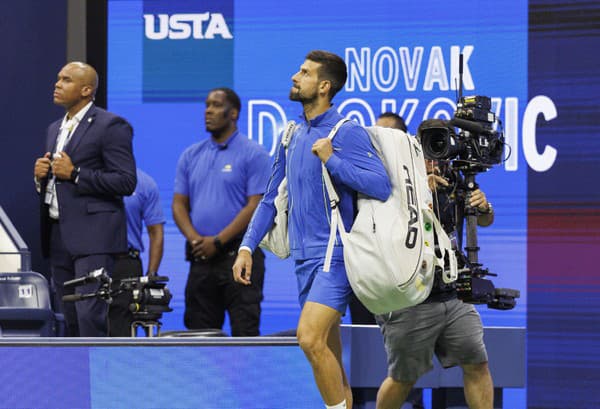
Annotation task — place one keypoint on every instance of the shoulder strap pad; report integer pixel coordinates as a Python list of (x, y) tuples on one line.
[(333, 196), (288, 133), (336, 218), (337, 127)]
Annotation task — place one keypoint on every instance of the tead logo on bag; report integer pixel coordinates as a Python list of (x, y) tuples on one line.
[(188, 48), (201, 26)]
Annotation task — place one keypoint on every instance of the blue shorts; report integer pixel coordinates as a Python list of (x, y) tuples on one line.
[(331, 289)]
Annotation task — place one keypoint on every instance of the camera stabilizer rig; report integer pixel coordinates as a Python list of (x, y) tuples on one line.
[(471, 285), (476, 148), (150, 297)]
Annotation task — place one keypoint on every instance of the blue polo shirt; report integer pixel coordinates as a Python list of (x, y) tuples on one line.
[(142, 205), (218, 178)]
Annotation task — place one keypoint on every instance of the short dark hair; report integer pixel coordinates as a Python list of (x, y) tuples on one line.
[(398, 120), (231, 97), (333, 69)]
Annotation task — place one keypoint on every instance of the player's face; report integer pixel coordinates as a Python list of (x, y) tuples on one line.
[(305, 82)]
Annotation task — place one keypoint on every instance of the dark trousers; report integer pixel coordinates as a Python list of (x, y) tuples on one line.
[(120, 317), (211, 290), (88, 317)]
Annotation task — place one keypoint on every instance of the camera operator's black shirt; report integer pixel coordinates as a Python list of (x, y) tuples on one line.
[(449, 207)]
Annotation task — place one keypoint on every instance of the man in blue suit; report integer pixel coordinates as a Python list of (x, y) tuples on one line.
[(87, 169)]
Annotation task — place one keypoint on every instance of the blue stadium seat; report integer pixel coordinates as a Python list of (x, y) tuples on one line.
[(25, 308)]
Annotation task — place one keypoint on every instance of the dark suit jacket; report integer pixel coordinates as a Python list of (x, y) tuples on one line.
[(92, 214)]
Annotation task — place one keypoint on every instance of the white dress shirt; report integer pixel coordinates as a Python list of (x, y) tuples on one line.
[(67, 128)]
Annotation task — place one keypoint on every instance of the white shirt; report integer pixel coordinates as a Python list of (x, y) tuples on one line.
[(67, 129)]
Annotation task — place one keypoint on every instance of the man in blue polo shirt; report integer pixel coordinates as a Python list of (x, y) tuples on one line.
[(218, 184), (143, 206)]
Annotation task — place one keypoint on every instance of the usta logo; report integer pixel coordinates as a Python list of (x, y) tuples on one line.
[(184, 26)]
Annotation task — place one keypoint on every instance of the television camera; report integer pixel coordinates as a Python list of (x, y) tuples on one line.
[(476, 147), (150, 296)]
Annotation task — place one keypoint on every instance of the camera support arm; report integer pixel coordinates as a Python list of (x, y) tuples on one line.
[(471, 215)]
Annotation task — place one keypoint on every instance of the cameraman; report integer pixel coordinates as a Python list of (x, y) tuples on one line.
[(442, 324)]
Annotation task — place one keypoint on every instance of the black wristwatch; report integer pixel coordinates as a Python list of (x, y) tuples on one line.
[(218, 244), (75, 174)]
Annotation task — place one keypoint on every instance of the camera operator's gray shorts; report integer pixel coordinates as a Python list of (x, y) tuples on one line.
[(451, 329)]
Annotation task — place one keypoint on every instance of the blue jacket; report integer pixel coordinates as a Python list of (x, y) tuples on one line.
[(354, 167)]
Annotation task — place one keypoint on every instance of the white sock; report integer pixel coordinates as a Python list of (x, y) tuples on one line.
[(341, 405)]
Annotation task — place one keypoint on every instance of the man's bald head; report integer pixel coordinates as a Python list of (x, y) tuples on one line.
[(88, 74), (76, 86)]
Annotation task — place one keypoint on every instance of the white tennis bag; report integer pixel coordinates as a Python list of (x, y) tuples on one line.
[(393, 248), (276, 240)]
